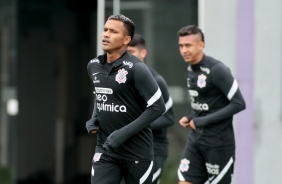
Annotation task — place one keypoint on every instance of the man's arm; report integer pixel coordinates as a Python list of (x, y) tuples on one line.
[(224, 81), (149, 90), (167, 119), (92, 125)]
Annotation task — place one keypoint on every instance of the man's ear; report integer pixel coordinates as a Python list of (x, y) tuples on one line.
[(143, 53), (127, 39), (202, 45)]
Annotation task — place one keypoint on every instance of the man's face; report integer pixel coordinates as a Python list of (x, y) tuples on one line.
[(138, 52), (114, 36), (191, 48)]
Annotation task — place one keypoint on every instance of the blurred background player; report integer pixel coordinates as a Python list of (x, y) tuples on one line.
[(137, 48), (215, 97)]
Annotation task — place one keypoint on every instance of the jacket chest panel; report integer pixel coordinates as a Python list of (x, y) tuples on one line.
[(117, 80)]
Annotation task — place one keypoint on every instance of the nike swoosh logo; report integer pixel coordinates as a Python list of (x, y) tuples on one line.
[(95, 73), (211, 178)]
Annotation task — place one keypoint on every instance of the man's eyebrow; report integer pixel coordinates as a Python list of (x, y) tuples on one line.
[(184, 44), (112, 29)]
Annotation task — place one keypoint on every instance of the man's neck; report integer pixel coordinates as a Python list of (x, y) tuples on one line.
[(199, 58), (111, 57)]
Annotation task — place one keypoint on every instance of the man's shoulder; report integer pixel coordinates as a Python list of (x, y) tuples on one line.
[(95, 60), (130, 60), (91, 64), (214, 63), (211, 60), (159, 78), (154, 72)]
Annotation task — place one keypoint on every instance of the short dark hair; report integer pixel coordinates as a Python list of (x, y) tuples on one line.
[(128, 23), (191, 30), (137, 41)]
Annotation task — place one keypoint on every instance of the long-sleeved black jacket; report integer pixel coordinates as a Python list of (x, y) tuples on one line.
[(215, 97), (128, 100)]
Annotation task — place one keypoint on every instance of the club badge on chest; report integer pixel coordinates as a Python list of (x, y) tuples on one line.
[(121, 76), (201, 81)]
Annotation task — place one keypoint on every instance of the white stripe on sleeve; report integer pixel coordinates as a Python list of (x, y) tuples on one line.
[(168, 104), (154, 98), (92, 171), (233, 90)]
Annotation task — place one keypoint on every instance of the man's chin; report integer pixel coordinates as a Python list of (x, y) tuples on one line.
[(107, 50)]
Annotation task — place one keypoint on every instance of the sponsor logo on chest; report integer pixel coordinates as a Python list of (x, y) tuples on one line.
[(196, 105), (103, 104)]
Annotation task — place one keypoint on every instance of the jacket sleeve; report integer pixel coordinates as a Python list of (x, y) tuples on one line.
[(224, 81), (167, 119), (151, 93), (92, 123)]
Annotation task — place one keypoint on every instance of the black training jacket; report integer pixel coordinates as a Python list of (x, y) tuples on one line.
[(127, 101), (215, 97)]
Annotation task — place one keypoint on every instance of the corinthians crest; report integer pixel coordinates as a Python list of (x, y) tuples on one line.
[(121, 76), (184, 165), (201, 81)]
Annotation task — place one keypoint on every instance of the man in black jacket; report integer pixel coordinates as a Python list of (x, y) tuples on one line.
[(215, 97), (127, 101)]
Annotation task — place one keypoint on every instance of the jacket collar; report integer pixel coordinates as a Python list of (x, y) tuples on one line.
[(119, 61)]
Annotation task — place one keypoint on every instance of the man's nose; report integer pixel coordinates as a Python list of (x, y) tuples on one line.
[(184, 49), (105, 34)]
